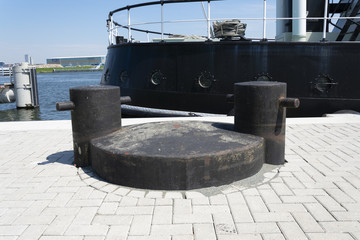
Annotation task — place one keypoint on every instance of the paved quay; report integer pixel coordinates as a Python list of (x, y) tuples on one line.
[(315, 195)]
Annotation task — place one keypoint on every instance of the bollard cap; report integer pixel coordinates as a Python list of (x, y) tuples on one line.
[(94, 88)]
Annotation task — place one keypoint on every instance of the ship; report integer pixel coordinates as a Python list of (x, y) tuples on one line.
[(315, 51)]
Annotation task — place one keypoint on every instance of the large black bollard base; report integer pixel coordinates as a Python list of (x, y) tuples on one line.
[(96, 112), (260, 109)]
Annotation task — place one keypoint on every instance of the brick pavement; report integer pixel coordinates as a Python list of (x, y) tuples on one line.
[(315, 195)]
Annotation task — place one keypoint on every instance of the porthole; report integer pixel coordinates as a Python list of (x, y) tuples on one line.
[(124, 76), (157, 77), (206, 79), (323, 83)]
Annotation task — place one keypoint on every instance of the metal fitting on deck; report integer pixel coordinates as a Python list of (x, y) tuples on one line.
[(260, 109), (95, 112)]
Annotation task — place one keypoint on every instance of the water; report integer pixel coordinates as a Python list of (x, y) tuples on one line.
[(53, 87)]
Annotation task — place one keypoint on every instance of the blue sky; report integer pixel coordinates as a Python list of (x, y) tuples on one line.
[(59, 28)]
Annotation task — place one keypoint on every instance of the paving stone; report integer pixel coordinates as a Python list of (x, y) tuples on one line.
[(136, 194), (192, 195), (224, 223), (202, 217), (32, 232), (164, 202), (307, 222), (183, 237), (291, 230), (172, 194), (139, 210), (269, 196), (149, 238), (298, 199), (288, 207), (59, 225), (162, 215), (170, 230), (273, 217), (293, 183), (61, 238), (112, 220), (236, 198), (92, 230), (340, 227), (154, 194), (61, 211), (128, 201), (96, 194), (109, 188), (330, 236), (281, 189), (204, 231), (319, 212), (256, 204), (200, 201), (36, 220), (256, 228), (85, 216), (182, 206), (110, 197), (121, 191), (329, 203), (146, 202), (141, 225), (339, 196), (219, 199), (85, 203), (347, 216), (61, 199), (108, 208), (211, 209), (241, 214), (118, 232), (240, 237), (273, 236), (12, 230)]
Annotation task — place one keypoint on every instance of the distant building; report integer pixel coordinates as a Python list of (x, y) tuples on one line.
[(76, 61), (2, 64)]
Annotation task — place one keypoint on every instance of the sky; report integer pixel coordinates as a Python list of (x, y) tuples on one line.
[(63, 28)]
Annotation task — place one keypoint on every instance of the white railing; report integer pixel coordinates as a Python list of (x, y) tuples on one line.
[(113, 28)]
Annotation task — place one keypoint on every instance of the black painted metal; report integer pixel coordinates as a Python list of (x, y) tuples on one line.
[(65, 106), (34, 88), (300, 65), (96, 112), (260, 109), (177, 155), (314, 9)]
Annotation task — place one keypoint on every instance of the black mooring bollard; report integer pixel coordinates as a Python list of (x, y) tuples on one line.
[(260, 109), (95, 112)]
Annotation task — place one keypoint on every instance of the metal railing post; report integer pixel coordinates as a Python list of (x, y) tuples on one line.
[(110, 28), (264, 21), (162, 21), (325, 19), (129, 26), (208, 21)]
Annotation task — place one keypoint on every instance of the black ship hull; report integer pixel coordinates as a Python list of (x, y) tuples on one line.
[(198, 76)]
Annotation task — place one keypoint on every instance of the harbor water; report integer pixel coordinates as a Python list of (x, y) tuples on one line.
[(53, 87)]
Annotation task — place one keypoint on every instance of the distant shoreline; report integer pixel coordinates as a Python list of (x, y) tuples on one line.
[(69, 69)]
